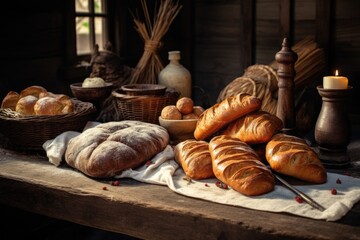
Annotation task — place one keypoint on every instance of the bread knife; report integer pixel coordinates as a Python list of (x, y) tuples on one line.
[(306, 198)]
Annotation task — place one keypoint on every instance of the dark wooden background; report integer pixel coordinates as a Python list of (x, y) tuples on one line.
[(218, 39)]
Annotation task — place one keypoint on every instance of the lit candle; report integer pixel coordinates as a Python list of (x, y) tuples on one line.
[(335, 82)]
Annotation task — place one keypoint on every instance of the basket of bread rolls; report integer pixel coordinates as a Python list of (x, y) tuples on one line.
[(34, 115)]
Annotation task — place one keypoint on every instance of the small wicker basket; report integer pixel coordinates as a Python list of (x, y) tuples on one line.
[(30, 132), (145, 108)]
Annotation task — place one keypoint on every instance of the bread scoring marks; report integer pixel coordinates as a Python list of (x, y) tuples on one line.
[(109, 148)]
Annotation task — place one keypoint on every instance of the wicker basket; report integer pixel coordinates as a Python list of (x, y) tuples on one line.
[(145, 108), (30, 132)]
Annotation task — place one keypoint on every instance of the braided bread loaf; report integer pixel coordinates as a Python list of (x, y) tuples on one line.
[(109, 148)]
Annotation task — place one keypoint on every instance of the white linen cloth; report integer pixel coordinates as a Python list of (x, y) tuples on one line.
[(163, 170)]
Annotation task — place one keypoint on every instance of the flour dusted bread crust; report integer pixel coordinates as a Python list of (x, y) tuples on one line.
[(219, 115), (194, 158), (237, 164), (109, 148), (292, 156), (254, 128)]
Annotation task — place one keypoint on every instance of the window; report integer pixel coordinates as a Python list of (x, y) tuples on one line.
[(91, 21)]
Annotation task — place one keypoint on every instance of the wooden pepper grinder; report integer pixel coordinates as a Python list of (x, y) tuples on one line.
[(286, 59)]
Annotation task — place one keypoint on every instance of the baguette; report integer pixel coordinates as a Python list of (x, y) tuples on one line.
[(219, 115), (254, 128), (237, 164), (194, 158), (292, 156)]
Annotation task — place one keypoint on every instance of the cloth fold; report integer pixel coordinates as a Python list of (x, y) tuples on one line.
[(163, 170)]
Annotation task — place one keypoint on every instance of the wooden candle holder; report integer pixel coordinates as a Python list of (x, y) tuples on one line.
[(333, 128)]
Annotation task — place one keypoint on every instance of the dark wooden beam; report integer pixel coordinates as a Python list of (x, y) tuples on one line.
[(323, 27), (248, 28), (286, 20)]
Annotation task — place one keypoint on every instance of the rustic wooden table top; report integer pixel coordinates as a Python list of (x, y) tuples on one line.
[(30, 182)]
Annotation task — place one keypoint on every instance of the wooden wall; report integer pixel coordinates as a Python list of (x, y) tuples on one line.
[(218, 40), (222, 30), (32, 45)]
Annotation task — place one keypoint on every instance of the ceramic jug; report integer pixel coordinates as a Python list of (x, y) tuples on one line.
[(176, 76)]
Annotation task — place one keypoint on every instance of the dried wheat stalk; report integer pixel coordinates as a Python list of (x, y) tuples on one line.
[(150, 64)]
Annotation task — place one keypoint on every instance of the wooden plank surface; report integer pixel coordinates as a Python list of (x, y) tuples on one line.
[(147, 211)]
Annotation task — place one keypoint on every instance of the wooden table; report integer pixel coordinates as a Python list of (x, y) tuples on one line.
[(29, 182)]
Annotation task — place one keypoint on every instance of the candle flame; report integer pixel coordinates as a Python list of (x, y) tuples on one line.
[(336, 72)]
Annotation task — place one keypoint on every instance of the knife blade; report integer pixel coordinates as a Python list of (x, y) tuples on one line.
[(305, 197)]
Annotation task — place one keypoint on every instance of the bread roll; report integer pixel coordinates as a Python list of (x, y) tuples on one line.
[(32, 90), (68, 105), (190, 116), (93, 82), (171, 112), (198, 110), (48, 106), (219, 115), (254, 128), (194, 158), (236, 164), (185, 105), (10, 100), (47, 94), (292, 156), (25, 105), (109, 148)]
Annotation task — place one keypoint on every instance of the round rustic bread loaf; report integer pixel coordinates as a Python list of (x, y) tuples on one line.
[(171, 112), (25, 105), (109, 148), (185, 105), (32, 90), (10, 100), (48, 106)]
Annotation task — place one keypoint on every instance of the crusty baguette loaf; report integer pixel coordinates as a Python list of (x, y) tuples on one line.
[(237, 164), (194, 158), (219, 115), (292, 156), (109, 148), (255, 127)]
